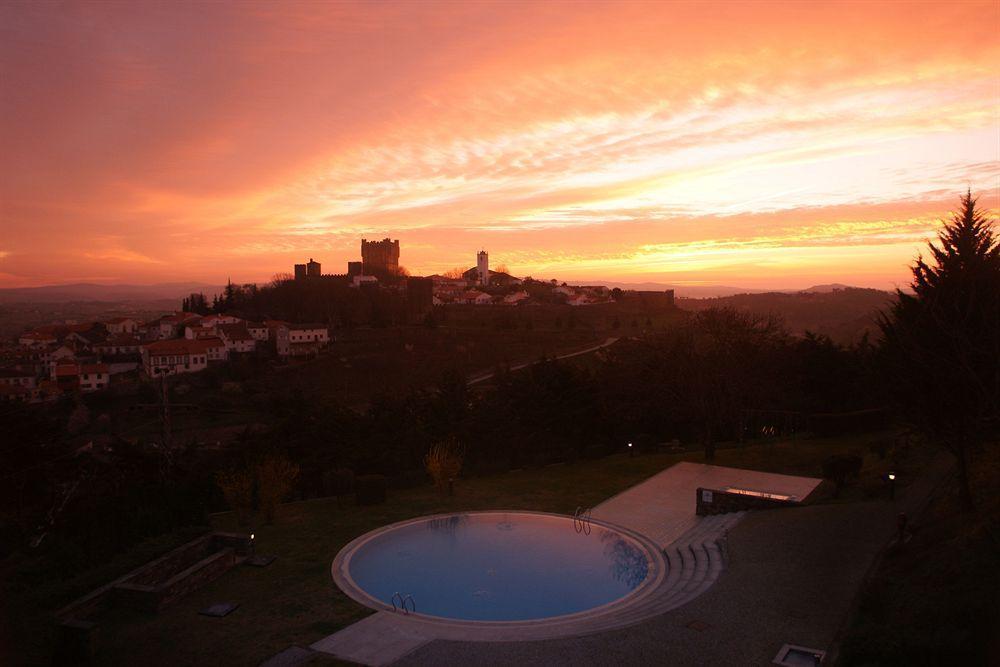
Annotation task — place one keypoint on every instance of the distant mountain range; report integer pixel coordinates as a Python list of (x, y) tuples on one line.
[(709, 291), (96, 292)]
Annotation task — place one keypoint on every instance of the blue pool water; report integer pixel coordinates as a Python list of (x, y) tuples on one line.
[(499, 566)]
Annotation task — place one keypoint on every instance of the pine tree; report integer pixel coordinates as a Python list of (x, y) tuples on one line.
[(942, 343)]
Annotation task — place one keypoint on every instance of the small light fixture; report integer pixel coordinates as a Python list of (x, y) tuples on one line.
[(892, 477)]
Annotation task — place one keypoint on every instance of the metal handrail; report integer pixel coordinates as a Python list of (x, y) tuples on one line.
[(581, 520), (402, 603)]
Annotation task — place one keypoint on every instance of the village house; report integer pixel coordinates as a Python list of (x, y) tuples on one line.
[(257, 330), (215, 348), (13, 377), (15, 393), (476, 297), (213, 321), (94, 377), (199, 332), (515, 298), (66, 375), (237, 338), (171, 357), (122, 325), (300, 340), (169, 326), (37, 339), (118, 344)]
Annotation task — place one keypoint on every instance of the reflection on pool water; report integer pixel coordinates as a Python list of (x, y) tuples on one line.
[(499, 566)]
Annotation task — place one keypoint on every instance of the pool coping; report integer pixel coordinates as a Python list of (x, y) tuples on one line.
[(439, 627)]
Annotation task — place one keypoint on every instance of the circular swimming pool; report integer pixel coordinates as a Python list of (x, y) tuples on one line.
[(495, 566)]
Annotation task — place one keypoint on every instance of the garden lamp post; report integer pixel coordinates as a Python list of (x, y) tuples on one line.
[(892, 485), (630, 450)]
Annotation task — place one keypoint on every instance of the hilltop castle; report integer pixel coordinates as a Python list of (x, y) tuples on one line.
[(380, 257)]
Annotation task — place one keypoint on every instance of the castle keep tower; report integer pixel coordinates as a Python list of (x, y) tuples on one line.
[(380, 256), (483, 267)]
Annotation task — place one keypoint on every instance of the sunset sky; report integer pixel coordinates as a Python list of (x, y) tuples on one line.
[(752, 144)]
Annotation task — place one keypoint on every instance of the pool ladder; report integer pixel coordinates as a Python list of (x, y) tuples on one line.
[(581, 520), (406, 603)]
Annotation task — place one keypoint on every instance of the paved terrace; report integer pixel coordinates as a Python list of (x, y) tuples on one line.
[(662, 508)]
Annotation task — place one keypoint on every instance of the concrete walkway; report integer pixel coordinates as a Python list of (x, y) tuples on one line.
[(379, 639)]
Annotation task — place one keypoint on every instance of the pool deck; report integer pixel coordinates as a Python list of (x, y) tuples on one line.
[(662, 509), (793, 577)]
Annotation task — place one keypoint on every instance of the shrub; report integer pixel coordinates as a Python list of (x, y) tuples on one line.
[(444, 462), (338, 482), (839, 467), (237, 488), (369, 489), (275, 477)]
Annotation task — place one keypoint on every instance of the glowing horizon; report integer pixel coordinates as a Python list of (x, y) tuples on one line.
[(760, 145)]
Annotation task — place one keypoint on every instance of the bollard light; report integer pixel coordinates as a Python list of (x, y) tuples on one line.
[(892, 477), (630, 449)]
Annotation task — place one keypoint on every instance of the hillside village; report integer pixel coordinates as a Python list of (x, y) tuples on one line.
[(49, 361), (52, 360)]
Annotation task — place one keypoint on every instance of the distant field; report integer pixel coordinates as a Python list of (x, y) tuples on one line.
[(294, 601)]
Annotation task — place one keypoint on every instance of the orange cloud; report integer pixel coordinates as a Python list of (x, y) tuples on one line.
[(773, 143)]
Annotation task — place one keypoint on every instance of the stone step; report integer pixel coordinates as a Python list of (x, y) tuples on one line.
[(375, 640)]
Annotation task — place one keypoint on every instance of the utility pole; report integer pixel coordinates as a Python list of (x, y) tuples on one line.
[(165, 433)]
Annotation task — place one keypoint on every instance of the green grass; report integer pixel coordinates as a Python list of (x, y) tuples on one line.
[(932, 601), (294, 601)]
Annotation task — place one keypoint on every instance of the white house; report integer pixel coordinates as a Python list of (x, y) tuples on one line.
[(119, 344), (237, 338), (298, 340), (170, 357), (515, 298), (122, 325), (36, 339), (216, 349), (477, 297), (257, 330), (13, 377), (213, 321), (94, 377)]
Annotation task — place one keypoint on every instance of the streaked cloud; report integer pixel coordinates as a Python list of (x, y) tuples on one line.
[(773, 144)]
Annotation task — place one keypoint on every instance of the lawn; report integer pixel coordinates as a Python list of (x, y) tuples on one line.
[(294, 601)]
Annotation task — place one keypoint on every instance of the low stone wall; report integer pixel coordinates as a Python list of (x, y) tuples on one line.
[(715, 501), (161, 581)]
